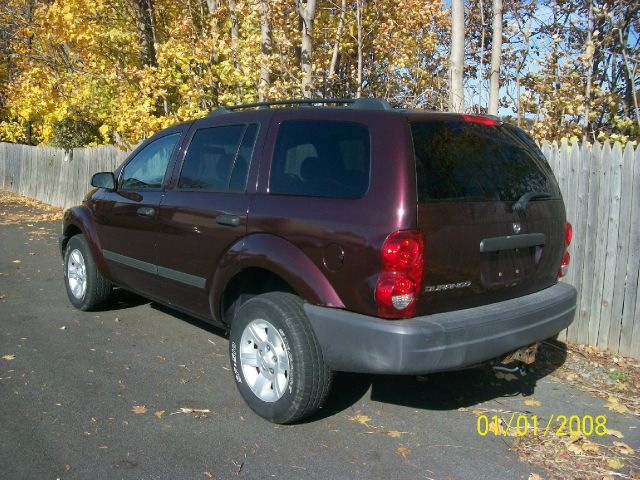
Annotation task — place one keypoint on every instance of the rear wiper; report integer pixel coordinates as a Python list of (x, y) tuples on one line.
[(521, 204)]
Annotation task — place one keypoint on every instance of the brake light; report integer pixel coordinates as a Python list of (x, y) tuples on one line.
[(479, 119), (566, 258), (400, 281), (568, 234)]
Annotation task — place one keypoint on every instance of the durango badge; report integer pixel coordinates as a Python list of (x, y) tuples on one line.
[(447, 286)]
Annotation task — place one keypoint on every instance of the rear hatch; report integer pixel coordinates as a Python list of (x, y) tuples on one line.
[(481, 245)]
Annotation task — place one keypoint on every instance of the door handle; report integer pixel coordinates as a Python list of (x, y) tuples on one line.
[(229, 220), (146, 211)]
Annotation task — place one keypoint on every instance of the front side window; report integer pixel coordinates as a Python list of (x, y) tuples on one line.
[(321, 159), (147, 169), (218, 158)]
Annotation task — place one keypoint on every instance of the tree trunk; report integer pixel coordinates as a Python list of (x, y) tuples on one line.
[(145, 24), (336, 45), (480, 75), (307, 9), (630, 77), (359, 7), (265, 51), (235, 29), (496, 52), (456, 61), (587, 93), (213, 6)]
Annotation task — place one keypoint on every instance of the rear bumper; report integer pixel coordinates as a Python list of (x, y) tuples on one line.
[(446, 341)]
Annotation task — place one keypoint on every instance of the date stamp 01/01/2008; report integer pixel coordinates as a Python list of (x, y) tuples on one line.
[(558, 425)]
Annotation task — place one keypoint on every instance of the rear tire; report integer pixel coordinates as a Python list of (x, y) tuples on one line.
[(276, 360), (86, 287)]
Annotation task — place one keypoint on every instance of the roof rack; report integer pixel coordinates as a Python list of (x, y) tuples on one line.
[(356, 103)]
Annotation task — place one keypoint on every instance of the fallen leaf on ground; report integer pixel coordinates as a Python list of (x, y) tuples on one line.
[(17, 261), (9, 357), (574, 446), (394, 434), (614, 433), (63, 327), (159, 413), (623, 448), (208, 474), (496, 427), (614, 405), (362, 419), (509, 377), (535, 476), (139, 409), (404, 452), (193, 410), (615, 463), (532, 402), (590, 447), (477, 412)]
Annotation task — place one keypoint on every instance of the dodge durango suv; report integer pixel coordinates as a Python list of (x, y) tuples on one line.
[(350, 236)]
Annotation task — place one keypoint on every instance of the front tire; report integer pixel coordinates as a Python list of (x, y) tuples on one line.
[(276, 360), (86, 287)]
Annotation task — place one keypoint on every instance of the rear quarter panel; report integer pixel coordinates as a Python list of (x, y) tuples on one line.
[(325, 229)]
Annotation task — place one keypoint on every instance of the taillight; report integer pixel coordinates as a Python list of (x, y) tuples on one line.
[(400, 281), (479, 119), (566, 258), (568, 234)]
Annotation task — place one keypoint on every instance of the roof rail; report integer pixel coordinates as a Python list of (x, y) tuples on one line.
[(357, 103), (371, 103)]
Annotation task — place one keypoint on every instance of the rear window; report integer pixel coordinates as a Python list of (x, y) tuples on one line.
[(321, 159), (464, 161)]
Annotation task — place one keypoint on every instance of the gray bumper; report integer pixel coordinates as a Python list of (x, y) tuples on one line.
[(357, 343)]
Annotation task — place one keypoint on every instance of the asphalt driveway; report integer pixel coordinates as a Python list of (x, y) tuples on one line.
[(124, 393)]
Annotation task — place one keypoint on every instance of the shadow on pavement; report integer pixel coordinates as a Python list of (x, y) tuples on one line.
[(438, 391), (122, 299), (441, 391)]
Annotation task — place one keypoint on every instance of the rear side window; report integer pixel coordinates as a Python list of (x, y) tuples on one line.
[(321, 159), (217, 159), (464, 161)]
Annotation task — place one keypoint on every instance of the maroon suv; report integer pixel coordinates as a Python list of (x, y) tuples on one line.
[(354, 238)]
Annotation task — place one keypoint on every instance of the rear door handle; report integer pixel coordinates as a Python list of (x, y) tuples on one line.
[(230, 220), (146, 211)]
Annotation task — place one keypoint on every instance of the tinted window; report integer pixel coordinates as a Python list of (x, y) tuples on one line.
[(321, 159), (147, 169), (241, 167), (210, 159), (457, 160)]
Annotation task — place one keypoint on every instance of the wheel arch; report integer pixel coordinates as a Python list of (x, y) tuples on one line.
[(261, 263), (78, 220)]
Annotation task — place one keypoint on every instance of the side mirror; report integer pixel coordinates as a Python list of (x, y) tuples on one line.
[(104, 180)]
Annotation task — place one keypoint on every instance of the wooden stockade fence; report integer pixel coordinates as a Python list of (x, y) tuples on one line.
[(601, 188), (51, 175), (600, 184)]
